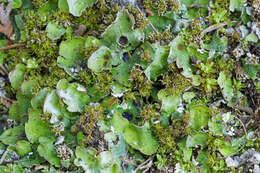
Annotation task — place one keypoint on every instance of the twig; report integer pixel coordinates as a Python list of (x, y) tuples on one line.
[(12, 46), (212, 28), (154, 29), (245, 109), (148, 166), (3, 157), (244, 128), (141, 165)]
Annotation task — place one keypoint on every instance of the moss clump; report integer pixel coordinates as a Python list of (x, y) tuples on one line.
[(163, 38), (103, 81), (174, 81), (140, 20), (141, 82), (150, 112), (162, 6), (220, 11), (86, 123), (166, 137)]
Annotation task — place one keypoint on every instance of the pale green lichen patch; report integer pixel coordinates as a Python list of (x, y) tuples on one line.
[(70, 55), (74, 95)]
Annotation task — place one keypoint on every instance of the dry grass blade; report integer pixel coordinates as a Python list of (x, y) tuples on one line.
[(6, 25), (3, 71), (12, 46), (212, 28)]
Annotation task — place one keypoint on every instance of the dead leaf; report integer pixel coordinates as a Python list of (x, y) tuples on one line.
[(240, 73), (81, 30), (6, 102), (6, 25), (149, 12)]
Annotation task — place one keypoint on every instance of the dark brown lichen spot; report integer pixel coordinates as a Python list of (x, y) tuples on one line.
[(106, 57), (128, 116), (123, 40), (126, 57), (179, 47), (60, 118)]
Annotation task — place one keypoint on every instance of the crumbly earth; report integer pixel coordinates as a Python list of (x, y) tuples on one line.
[(128, 86)]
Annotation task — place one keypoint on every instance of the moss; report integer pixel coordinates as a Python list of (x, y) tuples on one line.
[(163, 38), (86, 78), (162, 6), (165, 136), (140, 20), (220, 11), (38, 3), (103, 81), (150, 112), (145, 56), (141, 82), (87, 122), (175, 82)]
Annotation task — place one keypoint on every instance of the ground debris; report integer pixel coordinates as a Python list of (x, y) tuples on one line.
[(6, 27)]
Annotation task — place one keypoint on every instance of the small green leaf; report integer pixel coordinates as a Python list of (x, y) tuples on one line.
[(76, 7), (180, 54), (228, 91), (188, 96), (70, 56), (236, 4), (86, 158), (27, 88), (106, 159), (197, 139), (20, 108), (119, 123), (12, 135), (252, 38), (63, 5), (187, 153), (159, 56), (119, 149), (50, 5), (99, 60), (215, 125), (38, 100), (73, 95), (16, 4), (23, 147), (141, 139), (56, 108), (229, 148), (54, 31), (47, 150), (199, 116), (36, 127), (170, 102), (160, 22), (16, 76), (122, 27), (251, 70)]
